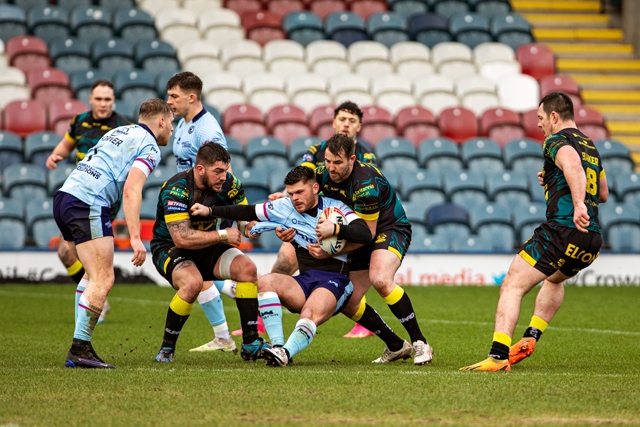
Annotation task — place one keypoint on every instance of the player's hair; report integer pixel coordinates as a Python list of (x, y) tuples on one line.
[(154, 107), (300, 173), (341, 144), (210, 153), (101, 82), (186, 81), (349, 107), (559, 102)]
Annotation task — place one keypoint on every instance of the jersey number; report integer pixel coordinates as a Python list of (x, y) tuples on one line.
[(592, 182)]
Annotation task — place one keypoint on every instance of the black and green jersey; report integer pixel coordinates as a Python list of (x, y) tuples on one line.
[(368, 193), (315, 154), (86, 131), (177, 196), (557, 192)]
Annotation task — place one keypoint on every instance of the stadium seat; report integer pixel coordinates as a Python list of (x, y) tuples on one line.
[(526, 87), (476, 93), (11, 209), (367, 8), (13, 21), (281, 8), (284, 57), (262, 26), (71, 54), (562, 83), (254, 181), (308, 91), (90, 23), (265, 90), (48, 22), (155, 56), (24, 182), (448, 8), (498, 70), (134, 86), (267, 153), (222, 89), (70, 4), (377, 124), (202, 7), (416, 124), (155, 181), (447, 52), (482, 155), (421, 241), (41, 226), (324, 8), (129, 109), (448, 220), (396, 154), (591, 122), (243, 57), (524, 155), (415, 212), (530, 125), (82, 80), (116, 4), (471, 244), (25, 117), (537, 60), (466, 188), (61, 111), (388, 28), (243, 6), (508, 189), (27, 53), (458, 123), (199, 56), (49, 84), (492, 223), (621, 227), (236, 150), (350, 87), (439, 155), (113, 54), (177, 25), (527, 217), (492, 52), (393, 91), (321, 121), (244, 121), (422, 186), (133, 24), (299, 147), (57, 177), (490, 7), (38, 146), (13, 233), (11, 150), (345, 28), (627, 187), (303, 27), (536, 191), (411, 59), (511, 29), (369, 58), (148, 209), (471, 29), (327, 58), (615, 157), (435, 92), (221, 27), (501, 125), (13, 86), (287, 122), (407, 8)]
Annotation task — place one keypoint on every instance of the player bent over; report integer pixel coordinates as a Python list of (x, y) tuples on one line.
[(189, 251)]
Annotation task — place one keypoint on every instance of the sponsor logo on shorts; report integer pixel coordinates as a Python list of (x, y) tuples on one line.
[(575, 252), (382, 237)]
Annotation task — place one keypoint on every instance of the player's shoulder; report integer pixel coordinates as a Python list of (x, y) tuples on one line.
[(81, 117), (121, 120), (365, 147)]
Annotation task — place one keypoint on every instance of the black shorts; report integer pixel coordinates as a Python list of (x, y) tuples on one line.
[(337, 283), (556, 247), (396, 240), (166, 259), (78, 222)]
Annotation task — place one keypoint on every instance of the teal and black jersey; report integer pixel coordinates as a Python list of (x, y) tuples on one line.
[(177, 196), (86, 131), (315, 154), (557, 192), (368, 193)]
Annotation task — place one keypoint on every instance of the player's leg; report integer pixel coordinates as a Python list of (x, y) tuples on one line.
[(274, 291), (211, 303), (286, 261), (359, 331), (75, 270)]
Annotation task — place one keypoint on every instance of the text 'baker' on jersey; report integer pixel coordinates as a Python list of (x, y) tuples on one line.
[(99, 178), (189, 137)]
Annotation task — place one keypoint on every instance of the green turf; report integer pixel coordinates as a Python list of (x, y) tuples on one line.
[(586, 370)]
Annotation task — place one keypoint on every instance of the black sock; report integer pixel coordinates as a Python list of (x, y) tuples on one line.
[(172, 328), (78, 276), (372, 321), (499, 351), (248, 308), (403, 310), (533, 333)]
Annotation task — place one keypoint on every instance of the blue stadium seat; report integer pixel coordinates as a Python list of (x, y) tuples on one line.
[(421, 241), (236, 151), (38, 146), (268, 153), (448, 8), (482, 155), (407, 8), (134, 86), (448, 220), (627, 188), (24, 182), (48, 22), (471, 29), (28, 4), (133, 24), (429, 29), (82, 80), (415, 212), (388, 28), (149, 207), (509, 189), (11, 209), (13, 22), (536, 191), (129, 109), (70, 4), (113, 54), (255, 184), (524, 155), (70, 54), (13, 234), (489, 8), (90, 23), (528, 217), (345, 27), (422, 186), (471, 244), (511, 29), (299, 146), (396, 154), (439, 154), (303, 26), (161, 84), (11, 151), (492, 223), (117, 4), (41, 226), (58, 176), (466, 188), (621, 226), (156, 56), (156, 180), (615, 157)]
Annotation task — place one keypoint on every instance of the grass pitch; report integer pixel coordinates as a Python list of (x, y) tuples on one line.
[(586, 370)]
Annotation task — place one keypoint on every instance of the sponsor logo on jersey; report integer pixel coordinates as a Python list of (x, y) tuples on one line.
[(177, 204), (270, 206)]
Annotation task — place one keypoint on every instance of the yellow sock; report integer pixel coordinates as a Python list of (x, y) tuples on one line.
[(394, 296), (180, 306), (75, 267), (502, 338), (360, 311), (246, 290), (538, 323)]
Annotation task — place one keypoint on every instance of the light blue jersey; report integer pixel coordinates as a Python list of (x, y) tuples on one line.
[(99, 178), (189, 137), (282, 213)]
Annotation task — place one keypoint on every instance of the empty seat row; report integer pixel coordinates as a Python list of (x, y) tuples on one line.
[(23, 117)]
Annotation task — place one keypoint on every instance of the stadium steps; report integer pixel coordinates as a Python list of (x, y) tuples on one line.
[(589, 47)]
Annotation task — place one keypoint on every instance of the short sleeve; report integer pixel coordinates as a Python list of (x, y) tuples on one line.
[(175, 202), (553, 144)]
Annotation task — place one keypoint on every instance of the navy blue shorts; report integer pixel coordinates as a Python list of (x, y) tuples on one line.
[(339, 285), (78, 222)]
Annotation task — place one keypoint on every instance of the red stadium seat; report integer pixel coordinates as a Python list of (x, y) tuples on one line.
[(458, 123), (501, 125), (591, 123), (49, 84), (417, 124), (366, 8), (321, 121), (244, 121), (537, 60), (324, 8), (377, 124), (242, 6), (25, 117), (262, 26), (27, 53), (287, 122), (281, 7), (60, 112), (530, 125), (563, 83)]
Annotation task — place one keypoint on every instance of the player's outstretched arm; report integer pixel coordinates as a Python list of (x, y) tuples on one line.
[(131, 201), (62, 151)]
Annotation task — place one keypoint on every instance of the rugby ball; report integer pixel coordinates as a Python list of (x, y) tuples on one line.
[(332, 245)]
